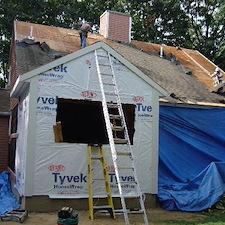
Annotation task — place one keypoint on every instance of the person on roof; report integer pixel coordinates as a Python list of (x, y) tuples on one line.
[(79, 25), (217, 76), (83, 32)]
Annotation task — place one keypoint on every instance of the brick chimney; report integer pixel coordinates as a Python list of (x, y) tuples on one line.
[(116, 26)]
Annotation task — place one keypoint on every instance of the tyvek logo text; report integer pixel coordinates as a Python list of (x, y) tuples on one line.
[(66, 178), (143, 110), (47, 103), (61, 68), (54, 75), (81, 178)]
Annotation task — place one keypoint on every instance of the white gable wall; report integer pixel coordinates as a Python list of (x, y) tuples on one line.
[(60, 169)]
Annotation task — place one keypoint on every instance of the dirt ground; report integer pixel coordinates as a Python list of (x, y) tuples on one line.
[(156, 216)]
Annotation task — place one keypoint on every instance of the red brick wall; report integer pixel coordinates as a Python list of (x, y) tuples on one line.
[(12, 70), (12, 63), (118, 26), (4, 140)]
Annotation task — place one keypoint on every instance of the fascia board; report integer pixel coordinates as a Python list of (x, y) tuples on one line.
[(86, 50), (19, 88), (192, 104), (15, 88)]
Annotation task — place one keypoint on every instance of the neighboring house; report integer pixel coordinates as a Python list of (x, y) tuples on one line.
[(4, 128), (53, 78)]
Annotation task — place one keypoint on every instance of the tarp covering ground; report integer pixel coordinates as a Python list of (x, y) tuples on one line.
[(8, 202), (191, 158)]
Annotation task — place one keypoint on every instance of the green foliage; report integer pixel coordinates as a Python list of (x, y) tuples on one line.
[(207, 29), (169, 30), (2, 83), (213, 216), (210, 218), (197, 24)]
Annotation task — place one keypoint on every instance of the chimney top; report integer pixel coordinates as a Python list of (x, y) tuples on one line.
[(116, 26)]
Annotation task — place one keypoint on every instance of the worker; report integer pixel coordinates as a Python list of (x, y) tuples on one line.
[(217, 77), (83, 31), (79, 25)]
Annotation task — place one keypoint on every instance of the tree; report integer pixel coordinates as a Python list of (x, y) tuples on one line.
[(62, 13), (171, 23), (207, 29), (50, 12), (197, 24)]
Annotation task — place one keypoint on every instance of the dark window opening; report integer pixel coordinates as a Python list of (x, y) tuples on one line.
[(83, 121), (12, 144)]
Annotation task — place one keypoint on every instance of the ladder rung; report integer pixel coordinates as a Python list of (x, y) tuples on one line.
[(121, 211), (126, 168), (117, 117), (105, 208), (117, 128), (110, 84), (111, 93), (102, 207), (140, 211), (120, 141), (102, 64), (112, 105), (104, 56), (124, 153), (107, 74), (134, 196), (96, 157)]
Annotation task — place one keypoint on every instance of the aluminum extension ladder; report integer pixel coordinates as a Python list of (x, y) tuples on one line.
[(117, 131), (96, 152)]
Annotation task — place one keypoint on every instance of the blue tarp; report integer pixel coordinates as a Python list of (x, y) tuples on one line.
[(8, 202), (191, 158)]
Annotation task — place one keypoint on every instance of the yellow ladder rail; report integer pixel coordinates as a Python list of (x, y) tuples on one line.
[(109, 201)]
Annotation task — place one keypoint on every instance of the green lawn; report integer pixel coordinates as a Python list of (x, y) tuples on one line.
[(212, 218)]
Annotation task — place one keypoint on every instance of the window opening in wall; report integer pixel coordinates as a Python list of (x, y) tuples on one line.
[(82, 121), (12, 143)]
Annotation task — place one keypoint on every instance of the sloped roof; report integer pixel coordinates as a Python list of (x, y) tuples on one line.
[(52, 42), (21, 81)]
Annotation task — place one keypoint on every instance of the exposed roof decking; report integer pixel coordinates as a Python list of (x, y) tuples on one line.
[(192, 59), (144, 56)]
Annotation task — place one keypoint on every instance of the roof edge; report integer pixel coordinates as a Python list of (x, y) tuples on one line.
[(189, 103), (24, 77)]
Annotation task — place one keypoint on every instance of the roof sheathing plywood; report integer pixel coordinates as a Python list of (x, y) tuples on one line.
[(201, 67), (58, 39), (145, 56)]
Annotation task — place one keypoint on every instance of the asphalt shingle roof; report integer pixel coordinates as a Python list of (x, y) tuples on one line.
[(53, 42)]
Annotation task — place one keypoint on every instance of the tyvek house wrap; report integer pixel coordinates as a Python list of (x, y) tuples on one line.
[(21, 144), (61, 168)]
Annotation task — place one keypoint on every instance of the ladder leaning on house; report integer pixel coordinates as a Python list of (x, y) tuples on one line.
[(117, 132)]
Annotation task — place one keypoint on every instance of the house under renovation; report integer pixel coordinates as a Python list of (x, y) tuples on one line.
[(57, 100)]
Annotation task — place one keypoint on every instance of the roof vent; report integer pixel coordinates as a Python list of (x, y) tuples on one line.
[(116, 26), (31, 34), (161, 52)]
